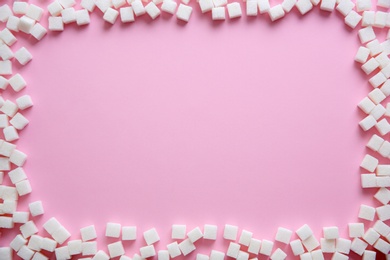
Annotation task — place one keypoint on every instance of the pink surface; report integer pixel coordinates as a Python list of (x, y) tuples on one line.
[(158, 123)]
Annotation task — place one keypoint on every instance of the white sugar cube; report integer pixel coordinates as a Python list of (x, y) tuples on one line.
[(380, 19), (283, 235), (116, 249), (383, 196), (383, 61), (210, 232), (118, 3), (129, 233), (279, 254), (366, 34), (202, 257), (23, 187), (151, 236), (371, 65), (103, 5), (369, 180), (8, 206), (251, 8), (178, 231), (20, 217), (6, 222), (363, 5), (234, 10), (367, 123), (369, 163), (48, 244), (173, 249), (25, 253), (26, 24), (195, 234), (383, 127), (56, 24), (310, 243), (352, 19), (186, 247), (331, 232), (297, 247), (5, 13), (245, 237), (366, 212), (358, 246), (82, 17), (218, 13), (206, 5), (8, 193), (23, 56), (345, 7), (127, 14), (266, 247), (304, 6), (304, 232), (230, 232), (219, 3), (36, 208), (55, 8), (1, 177), (5, 67), (18, 242), (163, 255), (383, 3), (20, 7), (19, 121), (38, 31), (28, 229), (62, 252), (35, 243), (343, 245), (68, 15), (378, 111), (376, 96), (366, 105), (89, 248), (110, 15), (147, 251), (88, 233), (233, 250), (138, 8), (17, 82), (13, 23), (4, 164), (383, 212), (51, 225), (18, 158), (377, 80), (67, 3), (61, 235), (264, 6), (152, 10), (328, 5), (217, 255), (254, 246), (40, 256), (382, 246), (276, 12), (34, 12), (113, 230), (368, 18), (383, 181), (24, 102), (88, 4), (371, 236), (10, 134), (6, 54), (184, 12), (381, 228), (17, 175), (288, 5)]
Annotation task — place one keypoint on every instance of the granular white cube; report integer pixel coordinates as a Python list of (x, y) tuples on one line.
[(383, 61), (173, 249), (68, 15), (377, 80), (152, 10), (195, 234), (210, 232), (328, 5), (48, 244), (245, 237), (178, 231), (384, 150), (10, 133), (88, 233), (343, 245), (288, 5), (127, 14), (186, 247), (218, 13), (376, 96), (206, 5), (74, 247), (163, 255), (251, 8), (382, 246), (202, 257), (369, 163), (151, 236), (233, 250), (383, 212), (304, 232), (129, 233), (18, 242), (304, 6), (345, 7), (266, 247), (371, 236), (89, 248), (40, 256), (169, 6), (118, 3), (352, 19), (369, 180), (383, 127), (371, 65), (147, 251), (24, 102), (375, 142), (366, 34), (276, 12), (20, 217), (116, 249), (36, 208), (6, 222), (38, 31), (17, 82), (383, 196), (82, 17), (17, 175), (311, 243), (368, 18), (219, 3), (264, 6), (138, 8), (23, 187), (13, 23), (283, 235), (297, 247), (51, 225), (67, 3), (217, 255), (6, 54), (56, 24), (363, 5), (20, 7), (55, 8), (88, 4), (26, 24), (331, 232), (34, 12), (28, 229), (103, 5), (254, 246), (279, 254), (184, 12), (5, 67), (366, 212), (113, 230), (62, 253), (35, 243), (18, 158), (383, 3), (5, 13), (378, 111), (381, 228), (25, 253), (230, 232), (110, 15), (4, 164), (358, 246), (366, 105), (234, 10), (61, 235), (380, 19)]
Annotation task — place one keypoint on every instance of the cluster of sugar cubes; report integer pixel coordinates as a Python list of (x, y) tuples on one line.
[(23, 19)]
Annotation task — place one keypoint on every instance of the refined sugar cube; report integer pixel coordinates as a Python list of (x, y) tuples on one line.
[(264, 6), (343, 245), (61, 235), (381, 228), (48, 244), (17, 175), (20, 122), (366, 212), (368, 18), (28, 229), (5, 13), (233, 250), (245, 238), (147, 251), (304, 6), (129, 233), (82, 17), (23, 187), (234, 10), (383, 127), (55, 8), (6, 222), (13, 23), (56, 24), (25, 253), (251, 8), (20, 217), (67, 3), (219, 3), (345, 7), (383, 61), (384, 150), (216, 255), (116, 249), (23, 56), (68, 15), (366, 34), (51, 225), (254, 246), (363, 5), (62, 252), (218, 13), (5, 67), (118, 3), (6, 54), (376, 96), (35, 243), (371, 65), (310, 243), (74, 247), (331, 232), (378, 111), (383, 196), (383, 212), (266, 247), (89, 248), (10, 133), (278, 254), (375, 143), (369, 163), (195, 234), (328, 5), (36, 208), (202, 257), (178, 231), (297, 247), (88, 4), (163, 255), (152, 10), (17, 82), (283, 235), (138, 8), (23, 102), (18, 242), (103, 5), (368, 180), (276, 12), (230, 232), (288, 5), (18, 158), (20, 7), (358, 246), (184, 12), (210, 232), (40, 256), (127, 14), (173, 249), (113, 230), (304, 232), (371, 236), (380, 19), (382, 246), (38, 31), (186, 247), (110, 15), (352, 19), (26, 24), (34, 12), (4, 164), (151, 236), (383, 3), (206, 5), (377, 80), (366, 105)]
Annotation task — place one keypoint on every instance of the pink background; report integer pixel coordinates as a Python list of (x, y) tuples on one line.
[(158, 123)]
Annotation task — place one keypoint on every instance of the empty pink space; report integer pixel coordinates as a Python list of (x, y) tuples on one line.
[(158, 123)]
